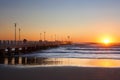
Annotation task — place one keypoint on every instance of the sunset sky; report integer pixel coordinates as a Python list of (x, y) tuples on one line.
[(82, 20)]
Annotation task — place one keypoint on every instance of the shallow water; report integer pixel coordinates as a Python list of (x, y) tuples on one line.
[(72, 55), (76, 51)]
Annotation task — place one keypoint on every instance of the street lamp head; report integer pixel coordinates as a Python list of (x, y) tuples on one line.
[(15, 24)]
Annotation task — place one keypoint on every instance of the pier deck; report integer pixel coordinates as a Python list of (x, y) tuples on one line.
[(11, 47)]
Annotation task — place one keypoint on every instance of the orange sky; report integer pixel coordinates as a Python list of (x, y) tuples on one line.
[(83, 21)]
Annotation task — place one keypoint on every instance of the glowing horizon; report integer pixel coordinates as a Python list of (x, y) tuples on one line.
[(82, 20)]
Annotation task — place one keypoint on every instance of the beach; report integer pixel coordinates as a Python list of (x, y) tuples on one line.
[(59, 39), (59, 73), (63, 63)]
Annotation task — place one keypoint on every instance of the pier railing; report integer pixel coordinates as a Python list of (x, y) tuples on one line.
[(9, 46)]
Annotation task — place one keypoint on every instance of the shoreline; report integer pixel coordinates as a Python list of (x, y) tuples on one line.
[(46, 62)]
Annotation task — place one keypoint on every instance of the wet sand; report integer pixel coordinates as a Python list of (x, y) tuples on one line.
[(59, 73)]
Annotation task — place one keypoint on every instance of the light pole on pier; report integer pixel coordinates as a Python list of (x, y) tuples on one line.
[(68, 38), (51, 38), (15, 31), (19, 34), (55, 37), (40, 37), (44, 35)]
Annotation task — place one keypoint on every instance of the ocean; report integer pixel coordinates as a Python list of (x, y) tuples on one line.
[(78, 51), (79, 55)]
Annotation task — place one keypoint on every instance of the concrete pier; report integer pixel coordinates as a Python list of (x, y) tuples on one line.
[(10, 48)]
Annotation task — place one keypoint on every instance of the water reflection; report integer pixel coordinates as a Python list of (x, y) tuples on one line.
[(36, 61)]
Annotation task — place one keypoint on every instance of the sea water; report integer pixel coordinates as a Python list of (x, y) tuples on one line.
[(79, 55), (78, 51)]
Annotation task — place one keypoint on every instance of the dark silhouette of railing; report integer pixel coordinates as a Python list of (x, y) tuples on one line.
[(9, 47)]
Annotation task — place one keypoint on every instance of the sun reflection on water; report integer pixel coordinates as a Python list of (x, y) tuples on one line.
[(77, 62), (87, 62)]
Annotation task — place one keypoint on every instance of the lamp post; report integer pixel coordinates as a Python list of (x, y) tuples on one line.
[(68, 38), (19, 34), (15, 31), (51, 38), (55, 37), (40, 37), (44, 35)]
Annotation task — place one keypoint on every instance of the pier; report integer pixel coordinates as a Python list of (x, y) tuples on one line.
[(11, 48)]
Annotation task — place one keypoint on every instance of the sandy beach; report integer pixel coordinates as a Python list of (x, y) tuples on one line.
[(67, 63), (59, 73)]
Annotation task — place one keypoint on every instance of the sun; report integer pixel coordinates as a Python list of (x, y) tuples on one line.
[(106, 41)]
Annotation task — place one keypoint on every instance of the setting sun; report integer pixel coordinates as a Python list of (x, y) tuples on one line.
[(106, 41)]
